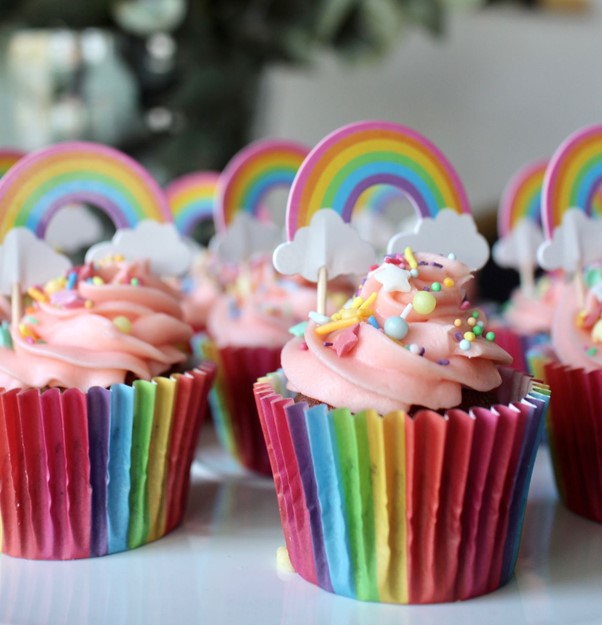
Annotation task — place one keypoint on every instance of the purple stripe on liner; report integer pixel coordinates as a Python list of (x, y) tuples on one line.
[(531, 440), (296, 423), (98, 438)]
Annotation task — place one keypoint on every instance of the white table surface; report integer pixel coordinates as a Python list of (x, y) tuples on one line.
[(220, 567)]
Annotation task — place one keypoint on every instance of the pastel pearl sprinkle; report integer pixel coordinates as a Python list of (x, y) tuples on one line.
[(123, 324), (424, 302), (465, 345), (396, 328), (490, 336)]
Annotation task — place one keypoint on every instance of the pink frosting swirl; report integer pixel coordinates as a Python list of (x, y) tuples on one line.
[(96, 328), (533, 314), (577, 332), (428, 367), (260, 308)]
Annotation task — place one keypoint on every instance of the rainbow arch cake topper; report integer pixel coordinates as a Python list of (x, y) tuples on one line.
[(8, 157), (352, 159), (42, 182), (192, 199), (573, 178), (255, 171), (521, 198)]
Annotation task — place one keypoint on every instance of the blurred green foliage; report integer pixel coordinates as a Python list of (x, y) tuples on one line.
[(223, 47)]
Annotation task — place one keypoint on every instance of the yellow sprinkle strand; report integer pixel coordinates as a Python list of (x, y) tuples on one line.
[(357, 302), (27, 331), (409, 256), (336, 325), (369, 301), (37, 295)]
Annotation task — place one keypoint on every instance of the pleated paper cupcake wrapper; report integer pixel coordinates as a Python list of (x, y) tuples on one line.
[(89, 474), (575, 437), (518, 345), (403, 509), (232, 402)]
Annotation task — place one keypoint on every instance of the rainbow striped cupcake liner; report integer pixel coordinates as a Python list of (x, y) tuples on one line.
[(403, 509), (232, 401), (574, 427), (90, 474)]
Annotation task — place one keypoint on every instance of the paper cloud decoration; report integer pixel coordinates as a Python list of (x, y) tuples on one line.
[(447, 232), (27, 260), (519, 247), (327, 242), (245, 237), (72, 228), (576, 242), (159, 243)]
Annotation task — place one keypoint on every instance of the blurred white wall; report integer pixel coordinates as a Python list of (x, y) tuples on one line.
[(504, 86)]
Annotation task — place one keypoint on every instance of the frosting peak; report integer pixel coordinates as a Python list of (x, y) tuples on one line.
[(95, 326), (409, 338)]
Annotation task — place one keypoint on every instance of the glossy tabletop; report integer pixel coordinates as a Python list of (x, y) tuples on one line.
[(220, 567)]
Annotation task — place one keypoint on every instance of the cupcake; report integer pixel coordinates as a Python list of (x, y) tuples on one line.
[(573, 369), (247, 328), (200, 291), (401, 447), (99, 414), (526, 321)]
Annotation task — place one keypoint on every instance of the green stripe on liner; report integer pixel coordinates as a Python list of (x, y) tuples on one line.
[(354, 461), (144, 408)]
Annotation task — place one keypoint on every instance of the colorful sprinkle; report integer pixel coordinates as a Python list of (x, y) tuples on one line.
[(135, 282), (6, 339), (303, 346), (424, 303), (451, 256), (346, 341), (471, 321), (443, 361), (71, 281), (373, 321), (490, 336), (123, 324), (448, 283), (436, 287), (592, 351), (478, 330), (465, 345), (469, 336), (396, 328), (458, 323), (37, 295), (299, 329), (409, 256)]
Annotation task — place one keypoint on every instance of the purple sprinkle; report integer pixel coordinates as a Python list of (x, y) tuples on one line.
[(465, 305), (458, 336), (437, 265), (422, 263), (422, 351), (327, 344), (425, 288), (443, 361)]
